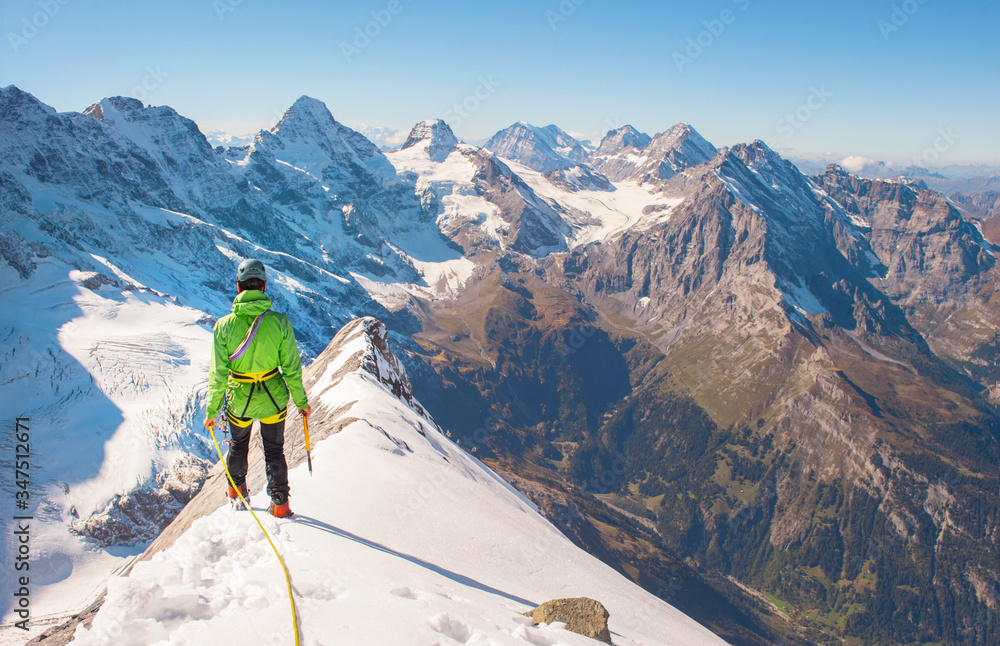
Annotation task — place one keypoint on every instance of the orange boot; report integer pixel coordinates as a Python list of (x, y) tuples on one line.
[(283, 510), (234, 497)]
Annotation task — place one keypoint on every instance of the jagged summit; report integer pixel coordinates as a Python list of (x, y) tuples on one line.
[(758, 155), (306, 113), (441, 140), (541, 149), (122, 104), (626, 137), (15, 104), (306, 102), (310, 139), (683, 145), (629, 154), (145, 125)]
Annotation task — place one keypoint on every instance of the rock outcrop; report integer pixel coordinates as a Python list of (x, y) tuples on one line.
[(581, 615)]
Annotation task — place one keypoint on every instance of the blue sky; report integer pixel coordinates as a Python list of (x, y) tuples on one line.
[(888, 79)]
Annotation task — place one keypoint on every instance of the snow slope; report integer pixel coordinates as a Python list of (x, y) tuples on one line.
[(449, 179), (114, 267), (600, 214), (111, 381), (399, 537), (540, 148)]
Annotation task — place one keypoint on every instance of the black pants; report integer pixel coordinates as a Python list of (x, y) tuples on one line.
[(273, 439)]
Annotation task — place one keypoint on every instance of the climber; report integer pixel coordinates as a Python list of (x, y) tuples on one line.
[(255, 365)]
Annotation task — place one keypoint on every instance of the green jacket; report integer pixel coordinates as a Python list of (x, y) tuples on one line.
[(273, 347)]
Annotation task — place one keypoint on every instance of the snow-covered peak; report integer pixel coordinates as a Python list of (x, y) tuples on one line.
[(18, 105), (306, 112), (622, 139), (686, 141), (439, 137), (173, 141), (309, 117), (540, 148), (160, 126), (309, 140), (125, 106), (629, 154)]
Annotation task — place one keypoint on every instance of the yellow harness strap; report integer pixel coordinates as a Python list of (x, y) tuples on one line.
[(243, 422), (253, 377), (256, 379)]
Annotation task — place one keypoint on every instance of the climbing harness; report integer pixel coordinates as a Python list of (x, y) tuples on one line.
[(256, 379)]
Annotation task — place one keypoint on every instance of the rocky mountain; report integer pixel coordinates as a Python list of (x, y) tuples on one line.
[(479, 203), (938, 265), (626, 153), (617, 154), (441, 140), (541, 149), (766, 396), (620, 140), (757, 377), (978, 205)]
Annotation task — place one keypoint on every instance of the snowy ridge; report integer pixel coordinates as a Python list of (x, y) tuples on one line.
[(400, 537)]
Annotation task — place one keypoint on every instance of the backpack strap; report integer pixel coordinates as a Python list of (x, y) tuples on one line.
[(248, 339)]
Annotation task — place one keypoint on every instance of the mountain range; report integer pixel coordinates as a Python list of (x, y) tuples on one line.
[(766, 396)]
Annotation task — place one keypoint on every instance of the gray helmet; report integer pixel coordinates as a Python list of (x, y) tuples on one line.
[(250, 268)]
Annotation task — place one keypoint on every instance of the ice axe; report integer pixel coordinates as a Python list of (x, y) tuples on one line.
[(305, 429)]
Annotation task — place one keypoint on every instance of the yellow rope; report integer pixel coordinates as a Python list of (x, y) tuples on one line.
[(288, 578)]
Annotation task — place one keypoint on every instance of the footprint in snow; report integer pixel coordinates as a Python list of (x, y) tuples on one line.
[(454, 628), (403, 593)]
